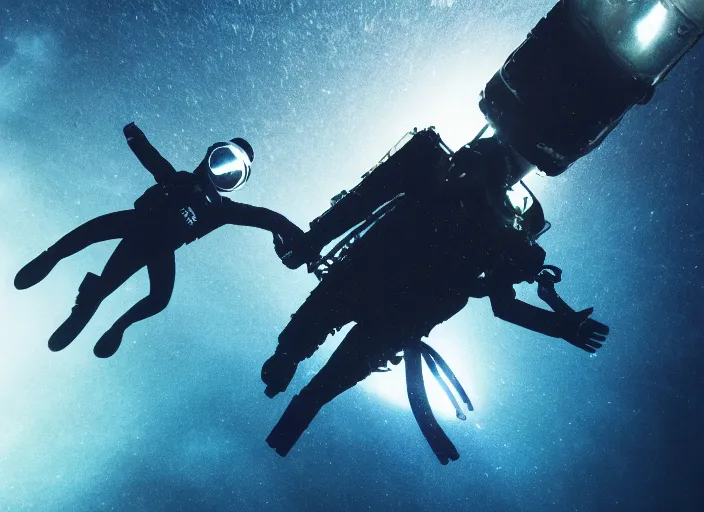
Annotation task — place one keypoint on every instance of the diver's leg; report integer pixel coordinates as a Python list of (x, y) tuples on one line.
[(323, 311), (364, 349), (162, 274), (128, 258), (106, 227)]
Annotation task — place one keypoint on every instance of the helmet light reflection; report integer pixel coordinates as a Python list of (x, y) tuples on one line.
[(228, 167)]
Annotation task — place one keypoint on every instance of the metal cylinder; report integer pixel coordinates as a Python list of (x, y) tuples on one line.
[(579, 71), (693, 9)]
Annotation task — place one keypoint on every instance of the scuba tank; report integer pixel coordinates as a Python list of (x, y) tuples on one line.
[(415, 165)]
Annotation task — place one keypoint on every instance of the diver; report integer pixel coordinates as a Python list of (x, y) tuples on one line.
[(181, 208), (435, 246)]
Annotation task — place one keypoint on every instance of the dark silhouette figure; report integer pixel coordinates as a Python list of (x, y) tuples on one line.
[(448, 234), (180, 208)]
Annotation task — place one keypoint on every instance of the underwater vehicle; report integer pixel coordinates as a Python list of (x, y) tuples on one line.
[(581, 69)]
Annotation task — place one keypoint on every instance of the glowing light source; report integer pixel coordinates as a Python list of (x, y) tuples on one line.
[(488, 133), (650, 26), (391, 386), (520, 198)]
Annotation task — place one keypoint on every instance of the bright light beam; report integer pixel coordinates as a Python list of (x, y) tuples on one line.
[(650, 26), (391, 386)]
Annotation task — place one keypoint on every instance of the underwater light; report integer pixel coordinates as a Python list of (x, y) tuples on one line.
[(579, 71), (646, 38), (651, 25), (391, 386), (520, 198)]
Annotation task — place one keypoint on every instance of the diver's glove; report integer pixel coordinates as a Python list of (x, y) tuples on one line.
[(131, 131), (294, 252), (583, 332)]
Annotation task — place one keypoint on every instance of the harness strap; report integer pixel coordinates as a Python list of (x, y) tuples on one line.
[(434, 370), (441, 445), (433, 360), (414, 354)]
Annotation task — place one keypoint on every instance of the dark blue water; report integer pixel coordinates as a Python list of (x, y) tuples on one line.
[(176, 421)]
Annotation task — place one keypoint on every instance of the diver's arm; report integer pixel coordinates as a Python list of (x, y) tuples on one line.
[(148, 156), (247, 215), (527, 316), (576, 328), (289, 240)]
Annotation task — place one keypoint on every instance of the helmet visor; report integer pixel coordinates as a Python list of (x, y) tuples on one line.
[(228, 167)]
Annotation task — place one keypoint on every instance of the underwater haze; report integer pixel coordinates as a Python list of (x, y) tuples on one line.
[(176, 420)]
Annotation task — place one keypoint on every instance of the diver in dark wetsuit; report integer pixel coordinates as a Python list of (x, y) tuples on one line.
[(179, 209), (441, 243)]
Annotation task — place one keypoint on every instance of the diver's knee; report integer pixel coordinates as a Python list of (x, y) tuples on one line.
[(160, 302), (313, 398)]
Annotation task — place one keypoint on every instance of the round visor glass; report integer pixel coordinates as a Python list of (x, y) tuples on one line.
[(228, 167)]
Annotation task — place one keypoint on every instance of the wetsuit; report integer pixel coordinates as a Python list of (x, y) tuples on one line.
[(442, 244), (415, 268), (418, 261), (178, 210)]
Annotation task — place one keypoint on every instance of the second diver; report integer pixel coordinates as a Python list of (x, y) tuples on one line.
[(179, 209), (440, 231)]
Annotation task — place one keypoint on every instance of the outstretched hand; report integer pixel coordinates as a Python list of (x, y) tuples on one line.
[(293, 253), (584, 332), (131, 130)]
